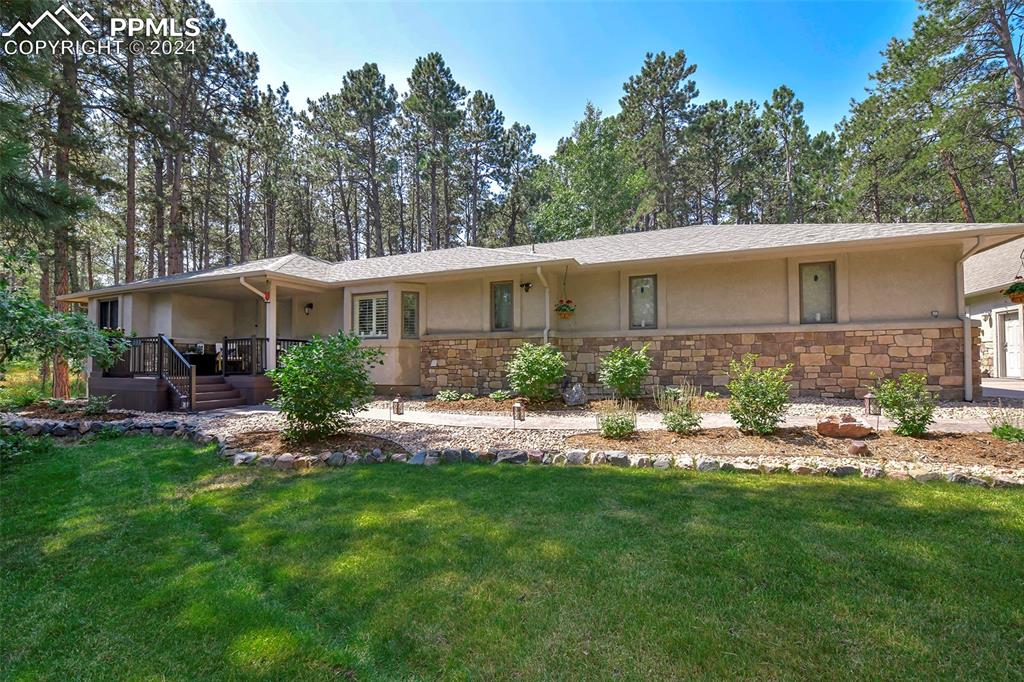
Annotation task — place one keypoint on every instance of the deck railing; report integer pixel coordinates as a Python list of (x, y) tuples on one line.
[(156, 356), (179, 373), (248, 354)]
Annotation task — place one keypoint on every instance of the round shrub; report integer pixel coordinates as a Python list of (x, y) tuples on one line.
[(623, 370), (617, 424), (322, 383), (908, 402), (759, 396), (533, 369)]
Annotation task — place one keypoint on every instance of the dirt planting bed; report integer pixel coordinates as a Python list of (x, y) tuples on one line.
[(272, 443), (974, 448), (47, 412)]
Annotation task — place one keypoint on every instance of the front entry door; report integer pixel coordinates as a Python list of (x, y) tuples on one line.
[(1011, 344)]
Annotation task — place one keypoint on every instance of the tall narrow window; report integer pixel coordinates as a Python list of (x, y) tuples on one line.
[(501, 306), (643, 302), (817, 292), (371, 315), (410, 315), (108, 314)]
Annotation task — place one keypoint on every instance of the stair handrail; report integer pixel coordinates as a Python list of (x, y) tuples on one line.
[(178, 370)]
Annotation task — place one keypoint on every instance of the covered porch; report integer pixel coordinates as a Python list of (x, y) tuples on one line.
[(208, 345)]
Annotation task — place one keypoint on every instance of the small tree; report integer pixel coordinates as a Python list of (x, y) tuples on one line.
[(533, 369), (759, 396), (623, 370), (908, 402), (322, 383)]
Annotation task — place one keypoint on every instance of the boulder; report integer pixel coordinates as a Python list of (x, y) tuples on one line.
[(746, 468), (617, 458), (576, 457), (419, 458), (336, 459), (967, 479), (399, 457), (708, 465), (486, 456), (800, 469), (599, 457), (871, 472), (432, 459), (243, 458), (575, 395), (302, 462), (641, 461), (285, 461), (926, 475), (511, 457), (897, 474), (468, 455), (451, 456), (535, 456), (842, 471), (857, 447), (352, 457), (559, 459), (663, 462), (844, 426)]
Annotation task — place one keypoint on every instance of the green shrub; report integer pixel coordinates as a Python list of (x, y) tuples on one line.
[(1006, 424), (623, 370), (907, 401), (97, 404), (618, 422), (15, 396), (533, 369), (758, 396), (448, 395), (677, 411), (711, 395), (14, 445), (467, 396), (501, 395), (322, 383)]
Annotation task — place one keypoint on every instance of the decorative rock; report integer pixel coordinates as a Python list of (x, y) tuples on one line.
[(302, 462), (871, 472), (432, 460), (468, 455), (577, 457), (419, 458), (378, 454), (898, 474), (857, 447), (158, 431), (351, 457), (399, 457), (663, 462), (800, 469), (843, 426), (842, 471), (727, 466), (486, 456), (547, 459), (451, 456), (775, 469), (33, 430), (926, 475), (685, 462), (84, 427), (599, 457), (575, 395), (559, 459), (59, 431), (1004, 482), (535, 456), (511, 457), (324, 456), (285, 461), (746, 468), (617, 458), (336, 459), (641, 461), (243, 458), (708, 465), (957, 477)]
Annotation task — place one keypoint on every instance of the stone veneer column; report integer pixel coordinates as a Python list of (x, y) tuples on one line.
[(841, 364)]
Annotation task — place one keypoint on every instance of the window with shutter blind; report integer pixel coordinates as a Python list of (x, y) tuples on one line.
[(643, 302), (410, 315), (108, 314), (817, 293), (371, 315)]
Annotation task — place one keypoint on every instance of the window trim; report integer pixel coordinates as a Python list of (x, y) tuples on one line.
[(835, 295), (629, 295), (512, 316), (99, 313), (402, 295), (355, 313)]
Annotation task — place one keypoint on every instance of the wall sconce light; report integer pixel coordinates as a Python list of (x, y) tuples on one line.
[(935, 314), (308, 308), (526, 286)]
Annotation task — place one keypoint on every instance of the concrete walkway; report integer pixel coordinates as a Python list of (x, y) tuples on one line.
[(1012, 389), (576, 422)]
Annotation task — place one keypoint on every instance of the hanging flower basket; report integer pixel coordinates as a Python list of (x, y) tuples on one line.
[(1015, 292), (565, 308)]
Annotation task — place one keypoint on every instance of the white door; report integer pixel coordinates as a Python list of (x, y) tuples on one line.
[(1011, 344)]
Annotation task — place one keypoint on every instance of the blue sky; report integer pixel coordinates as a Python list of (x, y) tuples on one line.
[(543, 61)]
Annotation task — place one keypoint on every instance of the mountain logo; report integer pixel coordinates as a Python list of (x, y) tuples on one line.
[(52, 16)]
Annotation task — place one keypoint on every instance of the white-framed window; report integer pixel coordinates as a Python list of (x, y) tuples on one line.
[(109, 317), (410, 315), (817, 292), (643, 302), (370, 315)]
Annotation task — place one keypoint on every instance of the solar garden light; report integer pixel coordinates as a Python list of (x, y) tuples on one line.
[(518, 412), (398, 405), (871, 405)]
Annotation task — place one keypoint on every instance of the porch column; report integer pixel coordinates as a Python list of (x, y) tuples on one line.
[(272, 327)]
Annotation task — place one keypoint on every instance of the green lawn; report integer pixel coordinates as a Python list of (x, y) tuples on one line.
[(143, 558)]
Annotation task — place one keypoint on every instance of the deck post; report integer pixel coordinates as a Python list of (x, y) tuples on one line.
[(252, 355), (224, 358), (271, 360)]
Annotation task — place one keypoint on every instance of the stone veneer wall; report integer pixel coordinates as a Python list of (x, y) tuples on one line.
[(840, 364)]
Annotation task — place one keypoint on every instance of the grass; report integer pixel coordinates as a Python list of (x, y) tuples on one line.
[(145, 558), (21, 387)]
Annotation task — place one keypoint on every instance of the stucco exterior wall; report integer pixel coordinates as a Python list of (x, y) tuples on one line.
[(903, 284), (200, 318)]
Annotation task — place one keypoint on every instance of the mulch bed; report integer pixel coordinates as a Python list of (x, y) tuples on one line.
[(956, 448), (47, 412), (486, 404), (272, 443)]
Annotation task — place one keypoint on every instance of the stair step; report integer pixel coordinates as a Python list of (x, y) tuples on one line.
[(211, 379), (211, 386), (226, 394), (217, 404)]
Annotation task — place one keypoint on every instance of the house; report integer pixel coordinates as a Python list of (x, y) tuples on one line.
[(986, 275), (845, 303)]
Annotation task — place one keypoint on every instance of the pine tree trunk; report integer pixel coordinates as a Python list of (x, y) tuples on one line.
[(158, 202), (130, 171), (67, 97), (958, 188)]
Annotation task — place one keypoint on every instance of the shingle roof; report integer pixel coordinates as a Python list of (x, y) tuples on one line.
[(993, 269), (710, 239), (430, 262)]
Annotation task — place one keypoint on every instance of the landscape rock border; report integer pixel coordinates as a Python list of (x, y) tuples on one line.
[(769, 464)]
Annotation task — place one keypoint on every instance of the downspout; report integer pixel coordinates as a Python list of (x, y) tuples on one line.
[(961, 309), (547, 303), (253, 289)]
